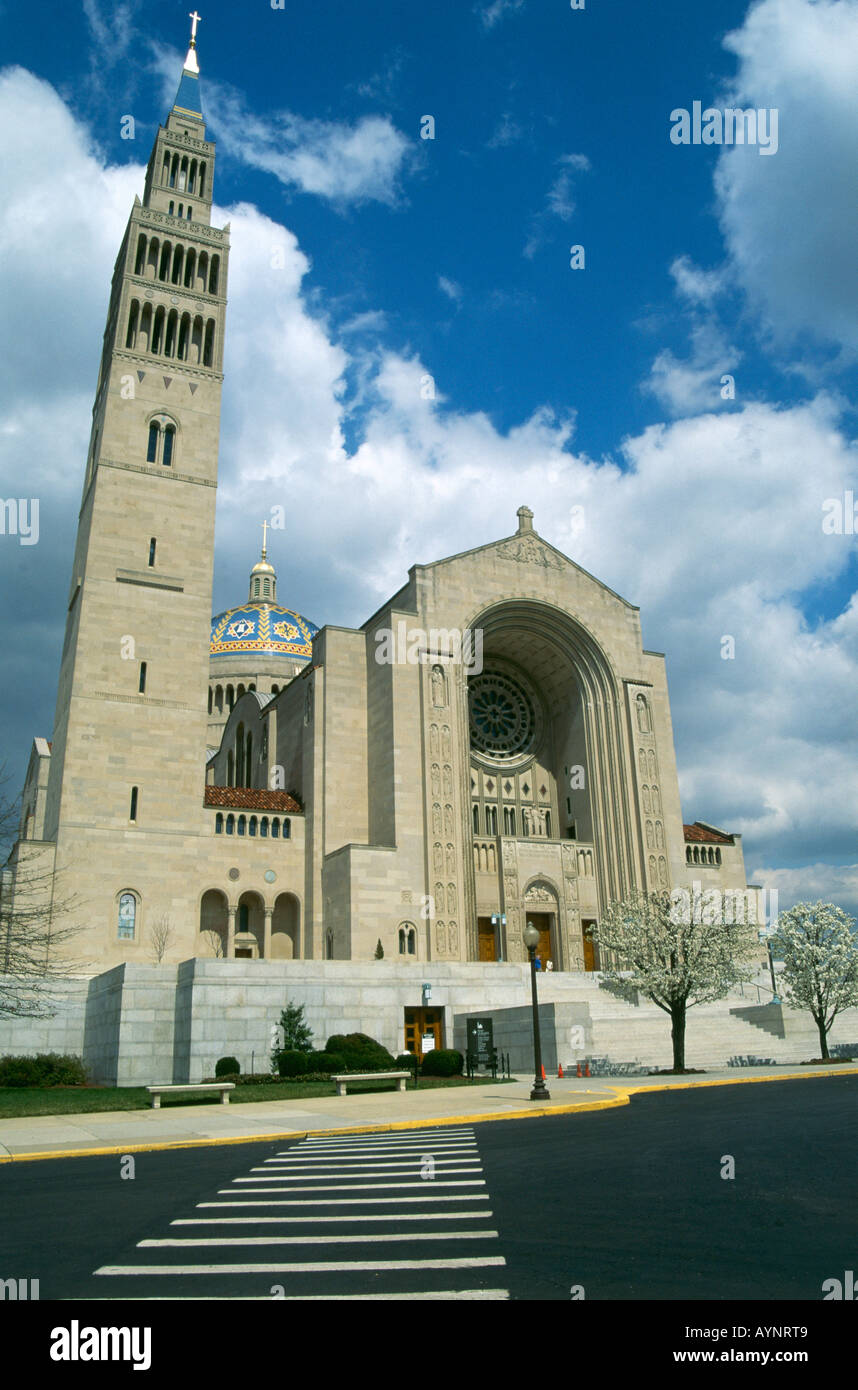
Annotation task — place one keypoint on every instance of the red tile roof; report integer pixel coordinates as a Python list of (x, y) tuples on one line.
[(250, 799), (698, 833)]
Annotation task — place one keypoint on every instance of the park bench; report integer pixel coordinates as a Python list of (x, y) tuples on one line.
[(400, 1077), (224, 1087)]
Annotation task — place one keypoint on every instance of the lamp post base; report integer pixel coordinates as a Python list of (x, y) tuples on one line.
[(540, 1091)]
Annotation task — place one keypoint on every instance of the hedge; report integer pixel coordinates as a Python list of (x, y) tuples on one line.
[(444, 1061), (46, 1069), (227, 1066), (359, 1052)]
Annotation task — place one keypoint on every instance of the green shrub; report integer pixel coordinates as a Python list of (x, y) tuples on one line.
[(359, 1052), (291, 1063), (444, 1061), (405, 1060), (227, 1066), (45, 1069)]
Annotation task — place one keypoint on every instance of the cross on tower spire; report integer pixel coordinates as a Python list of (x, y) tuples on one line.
[(191, 64)]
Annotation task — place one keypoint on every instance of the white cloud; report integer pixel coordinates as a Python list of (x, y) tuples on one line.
[(685, 387), (498, 10), (791, 221), (450, 288), (559, 201), (711, 524)]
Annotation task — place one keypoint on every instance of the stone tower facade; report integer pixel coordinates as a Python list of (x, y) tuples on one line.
[(130, 728)]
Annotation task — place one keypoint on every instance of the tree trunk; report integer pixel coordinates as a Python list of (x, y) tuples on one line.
[(823, 1038), (677, 1033)]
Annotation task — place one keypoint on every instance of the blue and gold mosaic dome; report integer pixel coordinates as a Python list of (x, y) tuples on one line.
[(263, 628), (261, 625)]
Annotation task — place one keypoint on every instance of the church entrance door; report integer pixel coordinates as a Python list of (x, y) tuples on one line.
[(419, 1022), (590, 949), (487, 936), (544, 922)]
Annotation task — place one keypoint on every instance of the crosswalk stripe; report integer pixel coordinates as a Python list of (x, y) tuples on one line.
[(183, 1242), (317, 1267), (353, 1164), (494, 1295), (358, 1186), (355, 1201), (314, 1220), (415, 1136), (376, 1173)]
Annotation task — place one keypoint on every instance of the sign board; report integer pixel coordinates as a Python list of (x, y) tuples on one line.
[(428, 1043), (480, 1033)]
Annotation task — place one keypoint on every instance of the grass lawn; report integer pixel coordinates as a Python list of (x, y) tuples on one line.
[(80, 1100)]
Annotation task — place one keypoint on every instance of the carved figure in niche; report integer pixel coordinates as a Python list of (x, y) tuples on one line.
[(652, 872), (662, 871), (652, 766), (644, 720), (647, 804), (650, 838), (433, 740), (439, 687), (441, 939), (454, 939), (527, 820), (659, 835), (448, 820), (436, 818), (436, 780), (448, 780), (439, 898), (438, 858), (642, 762), (451, 859), (540, 822), (445, 741), (656, 800), (451, 897)]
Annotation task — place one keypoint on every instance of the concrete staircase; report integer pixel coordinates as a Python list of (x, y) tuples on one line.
[(734, 1031)]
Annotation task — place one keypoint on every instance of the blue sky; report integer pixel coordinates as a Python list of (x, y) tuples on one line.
[(594, 395)]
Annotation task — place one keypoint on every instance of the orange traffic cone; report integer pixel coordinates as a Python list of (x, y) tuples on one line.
[(560, 1070), (586, 1068), (578, 1072)]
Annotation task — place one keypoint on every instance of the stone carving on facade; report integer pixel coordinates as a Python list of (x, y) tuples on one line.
[(643, 715), (433, 741), (448, 780), (451, 897), (436, 818), (585, 863), (441, 939), (439, 687), (448, 819), (438, 857), (571, 888), (445, 742), (539, 893), (451, 859), (652, 767), (438, 904), (659, 835), (650, 837), (530, 551), (436, 779), (662, 870), (647, 803), (656, 801), (453, 935)]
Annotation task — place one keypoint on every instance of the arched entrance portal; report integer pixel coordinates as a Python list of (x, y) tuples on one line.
[(286, 928), (213, 923), (540, 908), (249, 926)]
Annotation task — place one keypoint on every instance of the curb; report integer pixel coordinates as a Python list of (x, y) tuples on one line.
[(622, 1097)]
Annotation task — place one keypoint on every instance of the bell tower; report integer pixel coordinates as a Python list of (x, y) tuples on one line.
[(130, 727)]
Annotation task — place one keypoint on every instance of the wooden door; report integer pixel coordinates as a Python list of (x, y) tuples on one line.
[(487, 936), (543, 923), (420, 1021), (591, 954)]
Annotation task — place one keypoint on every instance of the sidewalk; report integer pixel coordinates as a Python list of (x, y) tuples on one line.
[(178, 1125)]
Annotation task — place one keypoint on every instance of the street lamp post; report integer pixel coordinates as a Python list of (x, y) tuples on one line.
[(766, 936), (540, 1091)]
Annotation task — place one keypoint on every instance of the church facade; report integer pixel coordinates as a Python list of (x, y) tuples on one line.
[(493, 746)]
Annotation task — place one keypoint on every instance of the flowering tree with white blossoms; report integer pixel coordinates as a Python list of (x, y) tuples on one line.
[(678, 955), (820, 955)]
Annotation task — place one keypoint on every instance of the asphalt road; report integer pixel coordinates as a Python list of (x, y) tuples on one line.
[(623, 1204)]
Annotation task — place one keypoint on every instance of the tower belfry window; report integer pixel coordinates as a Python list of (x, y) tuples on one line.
[(141, 687), (152, 449)]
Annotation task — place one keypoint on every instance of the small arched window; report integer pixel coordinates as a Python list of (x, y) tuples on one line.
[(242, 825), (263, 828), (219, 823), (254, 826), (230, 825), (402, 941), (287, 829), (152, 448), (167, 455), (126, 923), (275, 829)]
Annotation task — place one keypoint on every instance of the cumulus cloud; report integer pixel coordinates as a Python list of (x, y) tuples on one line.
[(712, 524), (450, 288), (791, 221)]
